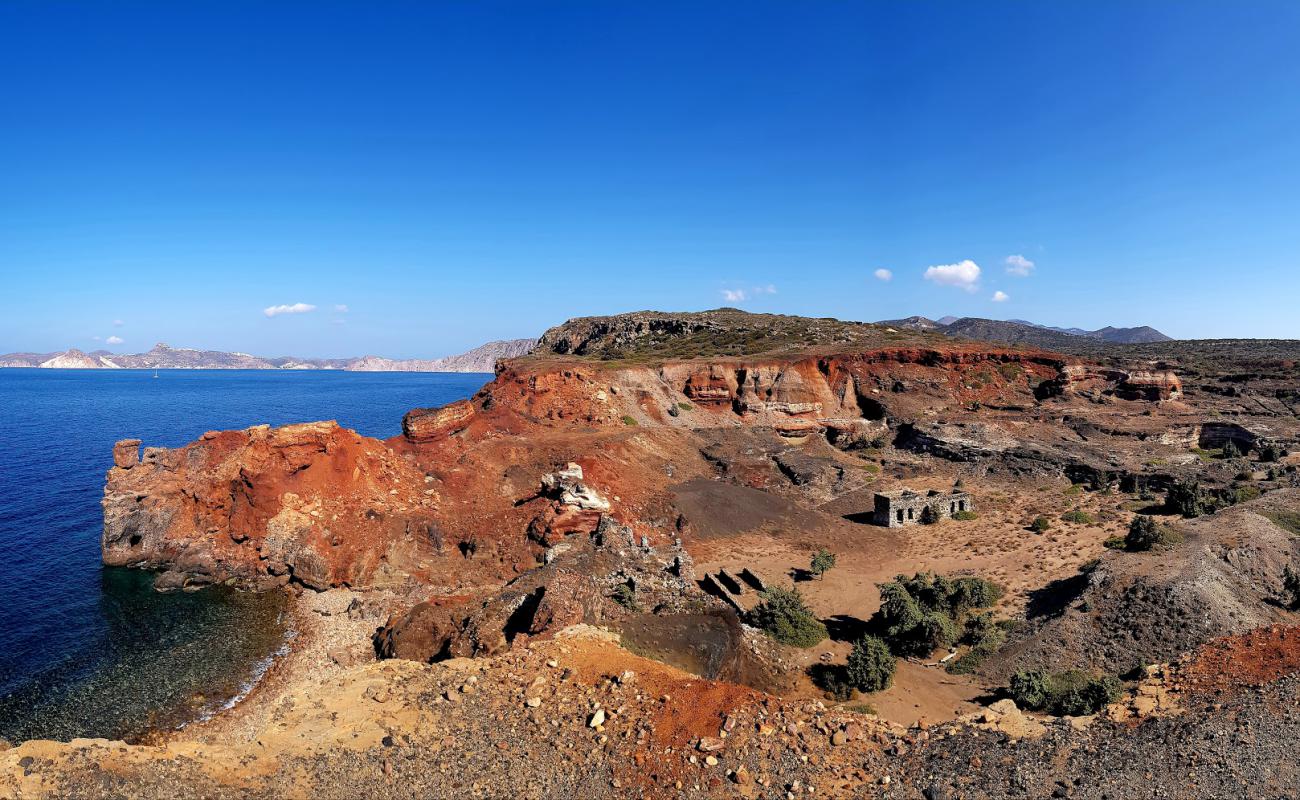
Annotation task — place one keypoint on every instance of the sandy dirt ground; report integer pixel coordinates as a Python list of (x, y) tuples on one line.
[(998, 545)]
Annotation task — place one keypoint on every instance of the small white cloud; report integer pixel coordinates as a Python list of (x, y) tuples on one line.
[(296, 308), (1019, 266), (97, 338), (342, 308), (1000, 297), (114, 340), (964, 275), (884, 275), (117, 323), (741, 295)]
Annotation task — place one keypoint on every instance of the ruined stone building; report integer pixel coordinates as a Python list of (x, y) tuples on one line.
[(905, 506)]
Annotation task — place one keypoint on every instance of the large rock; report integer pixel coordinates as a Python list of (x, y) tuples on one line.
[(430, 424), (312, 503), (126, 453)]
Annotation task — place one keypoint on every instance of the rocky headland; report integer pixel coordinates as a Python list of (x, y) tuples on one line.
[(541, 591)]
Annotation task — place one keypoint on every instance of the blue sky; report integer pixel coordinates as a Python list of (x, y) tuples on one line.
[(461, 171)]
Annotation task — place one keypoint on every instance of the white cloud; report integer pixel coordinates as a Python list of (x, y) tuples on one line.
[(117, 323), (884, 275), (296, 308), (342, 308), (964, 275), (1019, 266), (741, 295), (114, 340), (1000, 297)]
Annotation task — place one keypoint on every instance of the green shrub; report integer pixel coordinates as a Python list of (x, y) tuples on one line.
[(1244, 494), (965, 516), (686, 406), (1029, 688), (1186, 498), (1080, 517), (822, 561), (1230, 450), (629, 420), (625, 596), (1075, 693), (783, 615), (923, 612), (1040, 525), (1071, 693), (1114, 543), (1143, 534), (870, 665), (1290, 588), (1270, 453), (985, 636), (929, 516)]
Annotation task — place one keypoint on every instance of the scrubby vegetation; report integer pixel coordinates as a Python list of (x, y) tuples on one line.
[(784, 615), (1040, 525), (1077, 516), (927, 611), (625, 596), (1190, 500), (1288, 521), (1072, 693), (1143, 534), (985, 636), (1290, 588), (929, 516), (965, 516), (870, 667), (629, 420)]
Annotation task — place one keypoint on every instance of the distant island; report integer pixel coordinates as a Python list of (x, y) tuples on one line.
[(162, 356)]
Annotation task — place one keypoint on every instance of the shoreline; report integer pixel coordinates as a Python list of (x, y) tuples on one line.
[(321, 630)]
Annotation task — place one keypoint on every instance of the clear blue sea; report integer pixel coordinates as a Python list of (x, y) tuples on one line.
[(89, 651)]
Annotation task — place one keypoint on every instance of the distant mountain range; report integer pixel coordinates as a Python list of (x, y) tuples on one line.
[(480, 359), (1019, 331)]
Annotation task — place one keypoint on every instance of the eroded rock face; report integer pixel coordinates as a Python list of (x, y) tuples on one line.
[(577, 586), (313, 503), (430, 424)]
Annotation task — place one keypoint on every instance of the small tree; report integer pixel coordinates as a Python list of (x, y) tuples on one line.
[(822, 561), (1040, 524), (870, 666), (1270, 453), (1143, 534), (1230, 450), (929, 516)]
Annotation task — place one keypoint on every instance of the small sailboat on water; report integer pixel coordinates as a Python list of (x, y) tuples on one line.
[(155, 372)]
